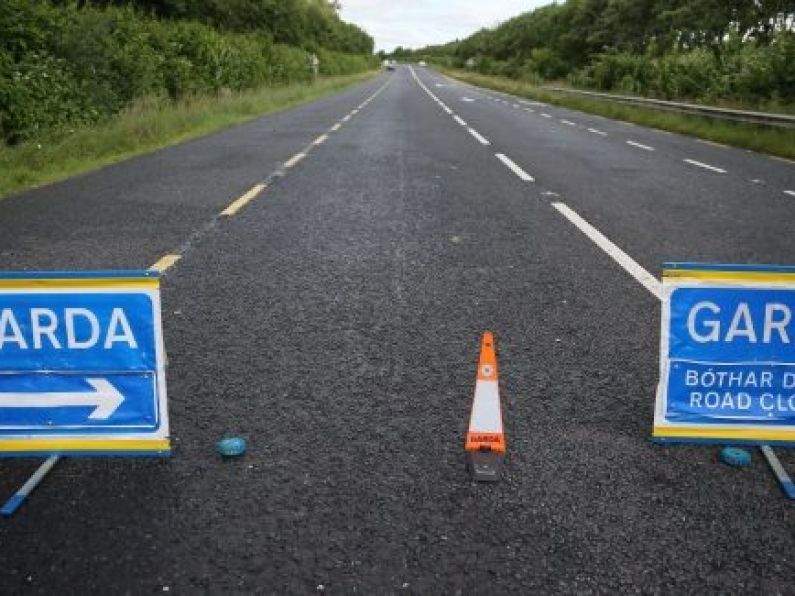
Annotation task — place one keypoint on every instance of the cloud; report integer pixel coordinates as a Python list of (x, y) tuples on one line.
[(417, 23)]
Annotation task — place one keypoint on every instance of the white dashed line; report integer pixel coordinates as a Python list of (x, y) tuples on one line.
[(320, 140), (348, 117), (619, 256), (568, 123), (336, 127), (516, 106), (705, 166), (640, 146), (790, 193), (546, 115), (459, 120), (478, 136), (514, 168), (601, 133), (531, 110)]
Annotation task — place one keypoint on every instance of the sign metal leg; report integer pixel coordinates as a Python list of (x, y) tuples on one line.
[(784, 481), (19, 497)]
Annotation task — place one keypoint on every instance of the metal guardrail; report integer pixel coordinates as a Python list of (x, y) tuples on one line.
[(767, 118)]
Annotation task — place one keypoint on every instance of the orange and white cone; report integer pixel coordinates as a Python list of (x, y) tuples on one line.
[(485, 442)]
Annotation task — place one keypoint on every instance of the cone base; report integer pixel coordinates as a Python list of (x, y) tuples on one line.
[(484, 466)]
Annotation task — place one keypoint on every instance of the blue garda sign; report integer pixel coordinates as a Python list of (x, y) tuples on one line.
[(82, 364), (727, 370)]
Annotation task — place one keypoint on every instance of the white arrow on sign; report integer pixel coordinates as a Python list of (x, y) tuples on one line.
[(106, 398)]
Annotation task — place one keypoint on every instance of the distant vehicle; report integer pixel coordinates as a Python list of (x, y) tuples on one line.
[(390, 64), (422, 63)]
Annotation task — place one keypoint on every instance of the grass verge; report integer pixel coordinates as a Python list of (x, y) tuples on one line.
[(766, 139), (150, 124)]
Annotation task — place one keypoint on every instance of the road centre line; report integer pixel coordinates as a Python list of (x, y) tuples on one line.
[(568, 123), (478, 136), (336, 127), (514, 168), (346, 118), (601, 133), (545, 115), (459, 120), (640, 146), (646, 279), (790, 193), (320, 140), (531, 110), (165, 263), (704, 166), (294, 160), (238, 204)]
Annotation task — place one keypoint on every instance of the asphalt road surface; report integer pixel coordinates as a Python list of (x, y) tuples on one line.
[(334, 320)]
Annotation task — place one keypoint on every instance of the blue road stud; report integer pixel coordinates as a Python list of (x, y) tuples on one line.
[(735, 457), (231, 447)]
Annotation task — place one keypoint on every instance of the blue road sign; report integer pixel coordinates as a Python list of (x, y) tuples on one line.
[(82, 365), (727, 370)]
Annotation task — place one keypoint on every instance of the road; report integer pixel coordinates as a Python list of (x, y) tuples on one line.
[(334, 320)]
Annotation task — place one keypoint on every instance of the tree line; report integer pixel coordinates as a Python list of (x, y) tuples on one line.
[(65, 63), (308, 24), (704, 49)]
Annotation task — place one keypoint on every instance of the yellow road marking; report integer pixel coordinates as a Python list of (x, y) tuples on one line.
[(294, 160), (238, 204), (166, 263)]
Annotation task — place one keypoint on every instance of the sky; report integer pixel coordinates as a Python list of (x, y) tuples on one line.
[(418, 23)]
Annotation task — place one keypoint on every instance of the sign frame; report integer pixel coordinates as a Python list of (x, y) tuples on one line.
[(719, 277), (93, 439)]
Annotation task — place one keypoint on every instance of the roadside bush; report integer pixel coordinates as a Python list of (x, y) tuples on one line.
[(69, 65)]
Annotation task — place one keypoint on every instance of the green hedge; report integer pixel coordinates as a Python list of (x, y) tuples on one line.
[(763, 74), (62, 67)]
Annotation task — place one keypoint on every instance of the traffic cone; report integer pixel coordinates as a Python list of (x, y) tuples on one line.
[(485, 442)]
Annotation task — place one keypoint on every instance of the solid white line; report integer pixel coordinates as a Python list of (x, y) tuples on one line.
[(597, 132), (478, 136), (546, 115), (705, 166), (348, 117), (459, 120), (336, 127), (514, 168), (648, 281), (619, 256), (790, 193), (294, 160), (320, 140), (446, 109), (354, 112), (640, 146), (568, 122)]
